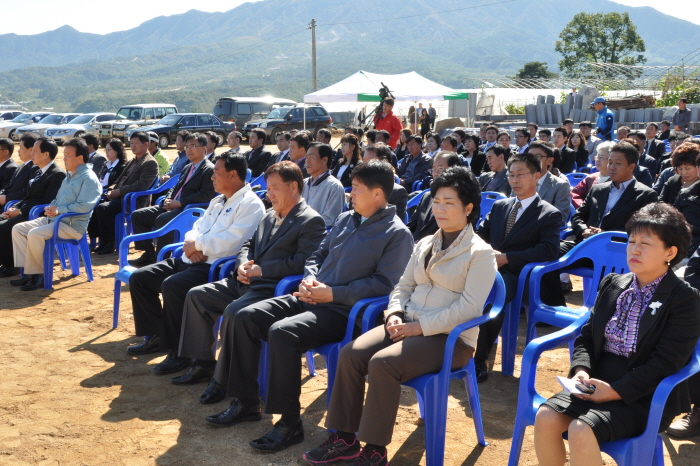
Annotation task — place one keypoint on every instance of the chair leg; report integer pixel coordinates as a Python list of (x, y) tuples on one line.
[(659, 451), (310, 365), (421, 405), (475, 402), (49, 248), (73, 253), (435, 419), (117, 293), (61, 257), (516, 444), (87, 261), (331, 368), (509, 338)]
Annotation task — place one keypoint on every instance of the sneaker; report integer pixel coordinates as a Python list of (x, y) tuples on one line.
[(369, 457), (687, 426), (332, 450)]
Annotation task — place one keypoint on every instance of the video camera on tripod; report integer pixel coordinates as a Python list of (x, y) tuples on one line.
[(384, 93)]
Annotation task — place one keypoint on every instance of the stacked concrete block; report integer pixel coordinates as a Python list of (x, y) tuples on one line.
[(531, 113)]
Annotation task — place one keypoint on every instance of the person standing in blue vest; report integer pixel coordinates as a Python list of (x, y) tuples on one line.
[(606, 119)]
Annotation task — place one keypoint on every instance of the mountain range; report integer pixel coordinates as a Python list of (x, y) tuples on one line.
[(263, 48)]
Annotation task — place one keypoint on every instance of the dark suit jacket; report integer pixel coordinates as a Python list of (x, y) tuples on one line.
[(650, 163), (502, 186), (688, 203), (114, 174), (421, 170), (199, 189), (581, 157), (399, 199), (98, 162), (664, 135), (42, 191), (635, 197), (567, 159), (19, 184), (643, 175), (665, 341), (477, 163), (345, 177), (657, 148), (285, 253), (670, 190), (7, 171), (422, 222), (258, 160), (140, 178), (533, 238)]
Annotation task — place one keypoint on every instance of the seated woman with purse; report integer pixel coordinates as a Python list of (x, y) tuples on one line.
[(643, 327), (446, 282)]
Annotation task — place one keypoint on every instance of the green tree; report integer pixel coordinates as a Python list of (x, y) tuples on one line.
[(534, 69), (601, 38)]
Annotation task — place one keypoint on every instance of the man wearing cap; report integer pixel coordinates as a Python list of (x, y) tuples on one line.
[(154, 150), (606, 119)]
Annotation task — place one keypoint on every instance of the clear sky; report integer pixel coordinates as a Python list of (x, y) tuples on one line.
[(104, 16)]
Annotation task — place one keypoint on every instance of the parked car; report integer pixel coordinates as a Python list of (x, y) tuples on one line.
[(7, 129), (287, 118), (87, 123), (133, 116), (9, 115), (55, 119), (168, 127), (243, 109)]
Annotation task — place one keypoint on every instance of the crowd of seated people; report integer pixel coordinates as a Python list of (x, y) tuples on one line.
[(366, 243)]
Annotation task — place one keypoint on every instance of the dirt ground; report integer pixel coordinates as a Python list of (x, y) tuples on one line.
[(72, 396)]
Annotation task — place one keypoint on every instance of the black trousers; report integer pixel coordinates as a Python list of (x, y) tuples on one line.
[(105, 213), (174, 278), (204, 305), (291, 327), (7, 256), (148, 218)]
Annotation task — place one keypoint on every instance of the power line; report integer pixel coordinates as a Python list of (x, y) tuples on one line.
[(417, 15)]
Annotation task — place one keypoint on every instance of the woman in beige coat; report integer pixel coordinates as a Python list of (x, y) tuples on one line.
[(446, 283)]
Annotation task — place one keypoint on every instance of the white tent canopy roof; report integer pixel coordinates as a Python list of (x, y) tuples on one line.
[(364, 87)]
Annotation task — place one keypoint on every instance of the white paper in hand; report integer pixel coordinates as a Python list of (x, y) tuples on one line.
[(569, 385)]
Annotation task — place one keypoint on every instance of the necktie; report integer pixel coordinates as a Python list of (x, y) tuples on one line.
[(511, 217), (38, 175), (646, 147), (179, 191)]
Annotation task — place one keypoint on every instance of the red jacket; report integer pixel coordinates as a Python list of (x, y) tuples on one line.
[(580, 191), (392, 124)]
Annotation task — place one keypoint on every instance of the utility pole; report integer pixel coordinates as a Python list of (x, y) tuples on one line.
[(313, 53)]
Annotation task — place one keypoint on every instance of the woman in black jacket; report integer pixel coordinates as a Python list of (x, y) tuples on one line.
[(116, 161), (471, 156), (577, 143), (402, 146), (350, 147), (684, 164), (643, 327)]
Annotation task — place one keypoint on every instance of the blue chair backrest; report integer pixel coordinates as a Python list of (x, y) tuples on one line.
[(575, 178), (487, 200), (248, 175), (415, 200)]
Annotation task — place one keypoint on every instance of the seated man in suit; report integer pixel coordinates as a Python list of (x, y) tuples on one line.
[(608, 207), (567, 160), (43, 187), (298, 145), (212, 143), (194, 186), (497, 179), (79, 192), (324, 136), (665, 128), (258, 156), (286, 236), (399, 196), (229, 221), (19, 184), (97, 160), (422, 222), (491, 134), (521, 229), (551, 188), (653, 146), (138, 175), (335, 277), (415, 166), (7, 165), (322, 191), (181, 160), (282, 154), (646, 160)]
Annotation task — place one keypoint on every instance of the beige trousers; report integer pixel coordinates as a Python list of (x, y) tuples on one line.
[(28, 239)]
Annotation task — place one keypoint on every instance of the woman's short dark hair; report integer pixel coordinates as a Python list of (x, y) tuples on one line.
[(288, 171), (234, 161), (375, 174), (461, 133), (353, 141), (434, 135), (81, 148), (686, 154), (407, 133), (464, 182), (475, 138), (666, 222), (118, 147)]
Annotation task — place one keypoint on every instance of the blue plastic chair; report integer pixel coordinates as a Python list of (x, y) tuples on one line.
[(417, 186), (667, 145), (36, 212), (487, 200), (248, 175), (565, 230), (122, 221), (608, 255), (261, 194), (575, 178), (9, 204), (415, 200), (644, 450), (347, 189), (180, 225), (259, 181)]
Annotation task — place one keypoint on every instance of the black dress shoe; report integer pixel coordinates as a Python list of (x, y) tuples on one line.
[(195, 375), (35, 283), (147, 346), (9, 272), (214, 393), (107, 249), (172, 363), (22, 281), (280, 437), (482, 371), (146, 259), (235, 414)]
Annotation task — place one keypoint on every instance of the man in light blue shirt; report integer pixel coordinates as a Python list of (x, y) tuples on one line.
[(79, 192)]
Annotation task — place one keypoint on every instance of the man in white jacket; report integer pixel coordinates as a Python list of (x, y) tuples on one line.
[(230, 220)]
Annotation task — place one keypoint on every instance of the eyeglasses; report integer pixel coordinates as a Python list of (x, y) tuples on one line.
[(437, 170)]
